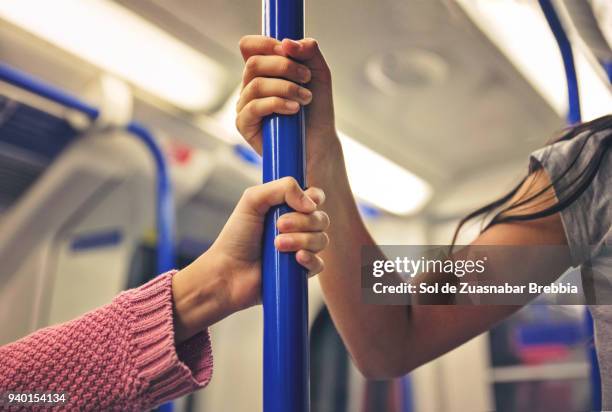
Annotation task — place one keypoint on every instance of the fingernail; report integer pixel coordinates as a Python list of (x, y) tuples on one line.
[(291, 105), (303, 74), (295, 43), (278, 49), (304, 94)]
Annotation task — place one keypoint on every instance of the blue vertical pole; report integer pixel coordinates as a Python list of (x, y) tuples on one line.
[(284, 291), (595, 375)]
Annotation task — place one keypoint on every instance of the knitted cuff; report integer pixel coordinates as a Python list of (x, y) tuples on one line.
[(171, 371)]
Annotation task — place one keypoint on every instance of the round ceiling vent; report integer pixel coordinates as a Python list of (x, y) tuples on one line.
[(395, 71)]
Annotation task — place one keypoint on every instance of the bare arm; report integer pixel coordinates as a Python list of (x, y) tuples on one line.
[(390, 340)]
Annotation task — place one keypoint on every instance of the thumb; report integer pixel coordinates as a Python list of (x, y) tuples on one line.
[(259, 199)]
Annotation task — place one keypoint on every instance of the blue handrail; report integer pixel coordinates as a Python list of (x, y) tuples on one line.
[(607, 66), (284, 291), (165, 202), (165, 205), (565, 47), (573, 117)]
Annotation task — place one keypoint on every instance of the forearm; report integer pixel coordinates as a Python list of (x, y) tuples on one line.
[(391, 340), (375, 335), (384, 341), (120, 356)]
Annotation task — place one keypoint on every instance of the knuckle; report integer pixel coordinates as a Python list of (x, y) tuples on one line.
[(252, 63), (291, 89), (289, 181), (314, 43), (251, 108), (255, 85), (286, 66), (248, 194), (243, 42), (241, 101)]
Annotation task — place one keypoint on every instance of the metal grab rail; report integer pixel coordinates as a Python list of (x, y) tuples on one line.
[(284, 291), (165, 203)]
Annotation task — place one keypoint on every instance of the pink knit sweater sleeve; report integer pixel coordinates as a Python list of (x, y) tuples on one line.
[(121, 357)]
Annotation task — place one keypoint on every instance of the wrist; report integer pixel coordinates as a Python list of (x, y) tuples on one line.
[(328, 172), (326, 169), (200, 297)]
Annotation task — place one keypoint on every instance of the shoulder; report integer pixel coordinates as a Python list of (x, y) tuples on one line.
[(567, 158), (580, 173)]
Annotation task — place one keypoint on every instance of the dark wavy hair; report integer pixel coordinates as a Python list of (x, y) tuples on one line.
[(502, 209)]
